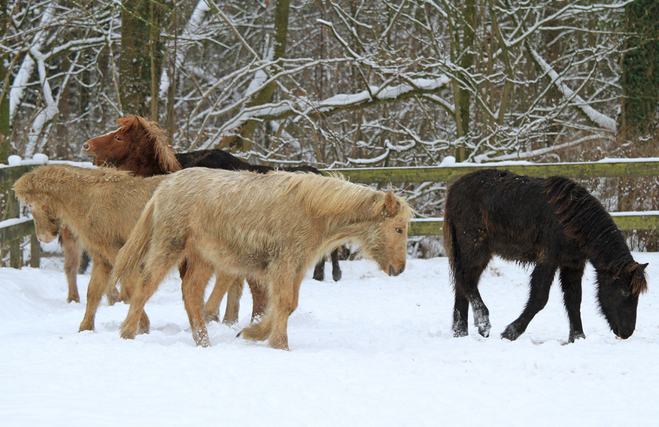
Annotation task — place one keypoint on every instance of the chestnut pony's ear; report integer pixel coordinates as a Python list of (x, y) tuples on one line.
[(391, 205)]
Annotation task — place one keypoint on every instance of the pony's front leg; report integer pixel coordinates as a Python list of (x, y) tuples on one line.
[(571, 286), (541, 279), (97, 285), (72, 256), (285, 299), (193, 286)]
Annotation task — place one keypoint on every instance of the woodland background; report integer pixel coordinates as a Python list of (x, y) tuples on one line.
[(353, 83)]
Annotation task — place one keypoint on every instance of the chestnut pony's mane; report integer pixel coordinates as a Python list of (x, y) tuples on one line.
[(152, 145)]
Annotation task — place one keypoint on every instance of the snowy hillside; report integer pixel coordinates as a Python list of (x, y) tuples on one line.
[(367, 351)]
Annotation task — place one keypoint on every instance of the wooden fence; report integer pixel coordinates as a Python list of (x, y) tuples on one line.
[(578, 170), (13, 229)]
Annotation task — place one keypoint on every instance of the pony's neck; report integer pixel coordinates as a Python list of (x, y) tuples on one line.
[(343, 229), (608, 250)]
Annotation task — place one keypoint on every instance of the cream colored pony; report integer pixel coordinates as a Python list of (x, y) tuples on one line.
[(100, 206), (270, 228)]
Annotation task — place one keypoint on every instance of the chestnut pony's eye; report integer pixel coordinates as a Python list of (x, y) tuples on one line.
[(117, 137)]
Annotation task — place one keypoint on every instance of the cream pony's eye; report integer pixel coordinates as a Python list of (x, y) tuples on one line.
[(399, 230)]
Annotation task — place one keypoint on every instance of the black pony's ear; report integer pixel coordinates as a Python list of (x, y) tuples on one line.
[(638, 283)]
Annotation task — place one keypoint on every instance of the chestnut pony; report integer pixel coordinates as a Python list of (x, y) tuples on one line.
[(267, 227)]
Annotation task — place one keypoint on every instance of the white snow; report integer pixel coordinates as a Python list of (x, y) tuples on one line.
[(370, 350)]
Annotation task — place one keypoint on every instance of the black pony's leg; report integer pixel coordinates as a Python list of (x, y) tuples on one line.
[(336, 269), (571, 286), (460, 315), (319, 271), (541, 279), (466, 292)]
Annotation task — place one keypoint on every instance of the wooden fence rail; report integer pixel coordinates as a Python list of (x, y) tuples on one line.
[(578, 170), (12, 229)]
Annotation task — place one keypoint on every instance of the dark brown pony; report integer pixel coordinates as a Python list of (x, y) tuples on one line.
[(553, 223)]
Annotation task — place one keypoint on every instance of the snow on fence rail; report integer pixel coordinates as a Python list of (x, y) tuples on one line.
[(14, 228)]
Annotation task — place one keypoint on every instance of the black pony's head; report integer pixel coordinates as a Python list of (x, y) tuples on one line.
[(618, 293)]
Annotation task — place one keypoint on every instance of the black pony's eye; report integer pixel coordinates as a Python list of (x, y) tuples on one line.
[(626, 293)]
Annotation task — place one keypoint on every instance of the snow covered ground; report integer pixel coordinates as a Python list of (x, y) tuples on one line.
[(369, 350)]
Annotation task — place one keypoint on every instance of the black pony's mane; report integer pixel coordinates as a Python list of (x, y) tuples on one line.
[(586, 221)]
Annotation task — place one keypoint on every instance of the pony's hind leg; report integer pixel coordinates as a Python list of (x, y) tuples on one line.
[(571, 286), (466, 292), (193, 286), (152, 274), (541, 279)]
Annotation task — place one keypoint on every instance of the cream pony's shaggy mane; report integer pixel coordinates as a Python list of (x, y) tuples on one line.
[(325, 195)]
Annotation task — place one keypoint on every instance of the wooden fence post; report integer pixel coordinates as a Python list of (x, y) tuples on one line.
[(35, 252), (15, 245)]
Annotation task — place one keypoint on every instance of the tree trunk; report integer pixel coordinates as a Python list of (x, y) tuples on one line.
[(242, 139), (4, 88), (141, 57), (640, 71)]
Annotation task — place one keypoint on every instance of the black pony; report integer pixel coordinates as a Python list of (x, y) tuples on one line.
[(220, 159), (553, 223)]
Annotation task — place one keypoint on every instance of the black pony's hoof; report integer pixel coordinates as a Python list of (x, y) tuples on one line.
[(460, 332), (576, 336), (319, 276), (510, 333), (336, 275)]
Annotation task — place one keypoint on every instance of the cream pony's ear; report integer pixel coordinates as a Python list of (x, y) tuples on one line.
[(391, 205)]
